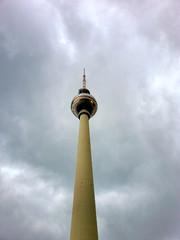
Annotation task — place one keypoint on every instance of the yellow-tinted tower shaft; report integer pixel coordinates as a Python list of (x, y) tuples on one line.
[(83, 223)]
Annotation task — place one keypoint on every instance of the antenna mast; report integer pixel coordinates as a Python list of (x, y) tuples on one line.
[(84, 79)]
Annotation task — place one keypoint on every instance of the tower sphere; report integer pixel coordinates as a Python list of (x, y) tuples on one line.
[(84, 102)]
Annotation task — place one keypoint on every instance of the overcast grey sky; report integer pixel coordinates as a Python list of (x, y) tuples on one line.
[(131, 52)]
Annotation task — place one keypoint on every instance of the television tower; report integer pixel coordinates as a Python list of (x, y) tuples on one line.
[(83, 223)]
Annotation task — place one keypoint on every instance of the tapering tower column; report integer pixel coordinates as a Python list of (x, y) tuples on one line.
[(83, 223)]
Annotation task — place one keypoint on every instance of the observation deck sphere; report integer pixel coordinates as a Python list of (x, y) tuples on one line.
[(84, 102)]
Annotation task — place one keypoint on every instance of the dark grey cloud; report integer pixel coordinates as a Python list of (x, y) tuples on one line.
[(131, 54)]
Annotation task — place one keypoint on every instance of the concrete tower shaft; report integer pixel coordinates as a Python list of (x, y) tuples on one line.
[(84, 223)]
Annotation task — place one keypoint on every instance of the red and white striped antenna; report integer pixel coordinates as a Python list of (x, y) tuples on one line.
[(84, 79)]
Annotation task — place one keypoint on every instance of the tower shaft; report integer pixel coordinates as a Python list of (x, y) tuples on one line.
[(83, 223)]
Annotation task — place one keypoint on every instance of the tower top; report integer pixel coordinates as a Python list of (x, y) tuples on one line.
[(84, 78), (84, 102)]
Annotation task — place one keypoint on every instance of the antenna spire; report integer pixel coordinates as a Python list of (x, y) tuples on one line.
[(84, 78)]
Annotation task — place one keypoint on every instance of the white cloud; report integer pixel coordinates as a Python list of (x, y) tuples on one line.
[(32, 203)]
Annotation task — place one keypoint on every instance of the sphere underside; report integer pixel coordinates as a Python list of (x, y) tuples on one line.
[(84, 103)]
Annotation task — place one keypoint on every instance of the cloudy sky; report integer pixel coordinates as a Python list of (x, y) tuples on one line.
[(131, 52)]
